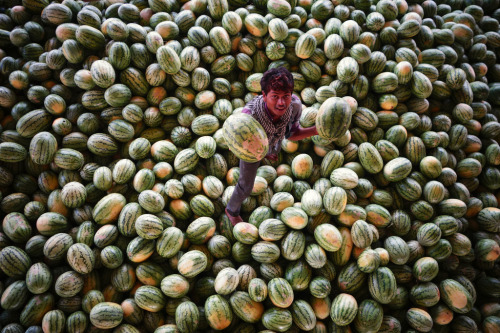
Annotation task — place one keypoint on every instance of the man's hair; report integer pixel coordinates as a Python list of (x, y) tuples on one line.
[(277, 79)]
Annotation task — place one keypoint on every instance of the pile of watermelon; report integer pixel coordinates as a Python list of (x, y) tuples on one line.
[(115, 168)]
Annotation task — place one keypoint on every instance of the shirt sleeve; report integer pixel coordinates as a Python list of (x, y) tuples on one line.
[(246, 110)]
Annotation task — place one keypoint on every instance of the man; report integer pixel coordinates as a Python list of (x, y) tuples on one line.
[(278, 111)]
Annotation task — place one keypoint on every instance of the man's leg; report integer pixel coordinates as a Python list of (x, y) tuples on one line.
[(248, 171)]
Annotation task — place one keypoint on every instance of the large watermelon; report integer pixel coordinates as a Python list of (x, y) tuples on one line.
[(334, 118), (245, 137)]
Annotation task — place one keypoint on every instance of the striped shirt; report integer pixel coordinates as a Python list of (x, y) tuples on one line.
[(292, 126)]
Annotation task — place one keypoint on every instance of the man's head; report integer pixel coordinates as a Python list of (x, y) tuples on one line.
[(277, 88)]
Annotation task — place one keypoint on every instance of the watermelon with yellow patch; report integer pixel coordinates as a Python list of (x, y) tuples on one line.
[(245, 137)]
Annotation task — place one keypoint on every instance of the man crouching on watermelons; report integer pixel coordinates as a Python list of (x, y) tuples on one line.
[(278, 111)]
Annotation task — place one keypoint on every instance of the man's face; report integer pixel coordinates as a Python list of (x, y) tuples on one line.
[(277, 101)]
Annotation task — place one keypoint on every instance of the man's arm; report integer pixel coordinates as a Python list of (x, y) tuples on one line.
[(297, 132), (302, 133)]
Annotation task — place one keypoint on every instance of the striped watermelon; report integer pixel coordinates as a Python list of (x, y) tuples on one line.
[(14, 261), (103, 73), (277, 319), (305, 46), (245, 137), (54, 321), (419, 319), (280, 292), (257, 290), (303, 315), (192, 263), (344, 309), (226, 281), (38, 278), (370, 158), (328, 237), (81, 258), (106, 315), (361, 234), (382, 285), (333, 119), (218, 312), (455, 296), (369, 316), (149, 298), (351, 278), (168, 59), (245, 308)]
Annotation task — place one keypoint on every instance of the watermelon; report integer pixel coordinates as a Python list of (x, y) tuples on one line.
[(333, 119), (218, 312), (344, 309), (280, 292), (245, 137)]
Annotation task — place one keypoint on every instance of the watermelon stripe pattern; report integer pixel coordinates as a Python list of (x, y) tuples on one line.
[(14, 261)]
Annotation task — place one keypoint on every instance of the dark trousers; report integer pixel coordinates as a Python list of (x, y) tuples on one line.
[(248, 171)]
